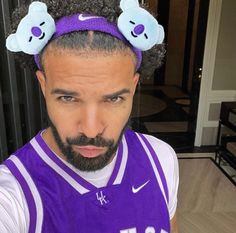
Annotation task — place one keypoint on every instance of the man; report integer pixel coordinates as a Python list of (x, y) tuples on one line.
[(87, 172)]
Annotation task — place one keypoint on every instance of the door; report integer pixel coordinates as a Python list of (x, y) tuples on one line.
[(198, 54), (166, 106)]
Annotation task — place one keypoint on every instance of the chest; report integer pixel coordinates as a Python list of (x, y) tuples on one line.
[(136, 203)]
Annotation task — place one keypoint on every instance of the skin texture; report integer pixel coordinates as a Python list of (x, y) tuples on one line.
[(173, 225), (87, 93)]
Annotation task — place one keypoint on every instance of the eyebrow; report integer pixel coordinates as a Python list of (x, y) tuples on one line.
[(59, 91), (121, 92)]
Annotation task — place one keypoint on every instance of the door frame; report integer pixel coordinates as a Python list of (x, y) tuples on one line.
[(212, 33)]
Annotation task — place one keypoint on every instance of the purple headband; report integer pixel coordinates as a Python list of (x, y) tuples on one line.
[(82, 22)]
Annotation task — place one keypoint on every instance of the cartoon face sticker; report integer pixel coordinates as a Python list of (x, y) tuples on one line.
[(33, 32), (138, 26)]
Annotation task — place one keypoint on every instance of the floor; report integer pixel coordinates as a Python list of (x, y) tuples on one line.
[(224, 167), (206, 198)]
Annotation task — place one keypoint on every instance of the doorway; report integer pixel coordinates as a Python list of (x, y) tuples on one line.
[(166, 104)]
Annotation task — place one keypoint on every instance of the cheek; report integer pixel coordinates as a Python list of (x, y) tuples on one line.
[(61, 118), (117, 118), (68, 119)]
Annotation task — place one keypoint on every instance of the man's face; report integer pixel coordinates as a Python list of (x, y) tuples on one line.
[(89, 100)]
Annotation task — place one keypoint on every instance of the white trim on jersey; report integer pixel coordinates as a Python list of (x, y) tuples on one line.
[(79, 188), (34, 191), (154, 167), (123, 162)]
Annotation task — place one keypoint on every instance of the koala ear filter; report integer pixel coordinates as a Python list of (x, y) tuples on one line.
[(33, 32), (136, 27)]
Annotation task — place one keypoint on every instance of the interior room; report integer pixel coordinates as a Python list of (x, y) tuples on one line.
[(166, 103), (182, 104), (190, 103)]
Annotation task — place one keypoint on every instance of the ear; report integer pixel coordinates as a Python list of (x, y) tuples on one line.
[(126, 4), (161, 35), (42, 80), (37, 7), (135, 82), (12, 43)]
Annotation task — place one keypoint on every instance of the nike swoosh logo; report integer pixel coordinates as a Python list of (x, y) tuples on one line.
[(84, 18), (135, 190)]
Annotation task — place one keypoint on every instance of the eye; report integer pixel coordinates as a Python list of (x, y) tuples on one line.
[(41, 24), (30, 39), (145, 35), (66, 99), (115, 99), (132, 22)]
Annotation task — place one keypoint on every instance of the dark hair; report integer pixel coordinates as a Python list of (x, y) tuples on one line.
[(109, 9), (87, 41)]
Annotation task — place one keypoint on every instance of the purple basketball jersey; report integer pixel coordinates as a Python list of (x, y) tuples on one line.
[(60, 201)]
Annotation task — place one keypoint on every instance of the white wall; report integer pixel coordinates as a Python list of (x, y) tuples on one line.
[(218, 84)]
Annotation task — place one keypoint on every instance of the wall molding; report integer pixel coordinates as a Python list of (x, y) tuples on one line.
[(226, 95), (216, 97)]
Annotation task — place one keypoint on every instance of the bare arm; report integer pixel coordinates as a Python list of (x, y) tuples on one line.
[(173, 225)]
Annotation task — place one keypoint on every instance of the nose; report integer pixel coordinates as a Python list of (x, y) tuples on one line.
[(91, 123), (139, 29), (36, 31)]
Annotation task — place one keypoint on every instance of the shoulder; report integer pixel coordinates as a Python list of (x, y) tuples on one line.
[(164, 152), (8, 182), (167, 157), (13, 206), (169, 163)]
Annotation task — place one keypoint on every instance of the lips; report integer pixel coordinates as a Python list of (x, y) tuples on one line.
[(89, 151)]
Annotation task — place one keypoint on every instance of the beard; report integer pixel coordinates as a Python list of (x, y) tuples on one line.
[(76, 159)]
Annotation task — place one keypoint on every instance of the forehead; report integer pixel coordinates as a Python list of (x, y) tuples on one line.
[(94, 69)]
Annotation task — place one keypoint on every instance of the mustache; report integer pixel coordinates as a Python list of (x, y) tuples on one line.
[(83, 140)]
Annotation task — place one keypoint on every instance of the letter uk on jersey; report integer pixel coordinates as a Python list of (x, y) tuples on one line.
[(148, 230), (102, 198)]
